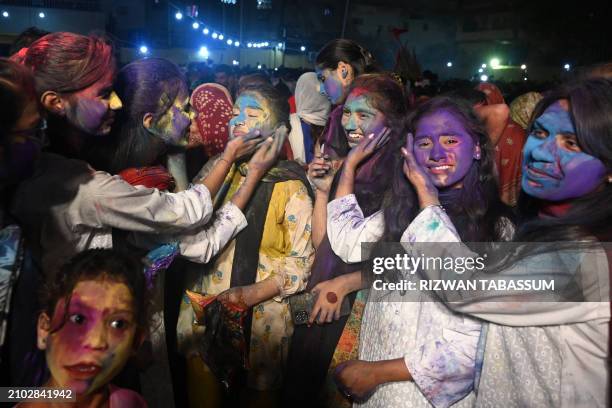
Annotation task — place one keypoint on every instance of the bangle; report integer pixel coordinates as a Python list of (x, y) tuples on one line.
[(225, 160)]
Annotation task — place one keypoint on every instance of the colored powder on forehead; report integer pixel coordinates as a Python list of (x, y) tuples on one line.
[(358, 92)]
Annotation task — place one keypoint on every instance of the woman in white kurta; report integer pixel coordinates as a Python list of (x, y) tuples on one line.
[(418, 353), (550, 354)]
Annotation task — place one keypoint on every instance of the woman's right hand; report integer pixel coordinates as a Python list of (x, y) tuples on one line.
[(426, 190), (242, 146), (366, 147), (321, 172)]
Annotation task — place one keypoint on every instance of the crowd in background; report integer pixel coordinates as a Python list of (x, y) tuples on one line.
[(162, 226)]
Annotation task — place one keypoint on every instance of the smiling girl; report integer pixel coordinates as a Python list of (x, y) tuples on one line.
[(374, 107), (404, 356), (555, 353)]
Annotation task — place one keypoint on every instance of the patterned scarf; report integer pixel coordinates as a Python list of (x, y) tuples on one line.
[(213, 104)]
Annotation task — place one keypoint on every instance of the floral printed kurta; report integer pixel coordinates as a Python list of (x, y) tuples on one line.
[(438, 346), (285, 255)]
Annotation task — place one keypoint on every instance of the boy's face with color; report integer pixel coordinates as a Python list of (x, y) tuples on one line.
[(88, 344)]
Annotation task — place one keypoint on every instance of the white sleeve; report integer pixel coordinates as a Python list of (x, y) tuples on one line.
[(347, 228), (443, 364), (201, 244), (502, 306), (108, 201)]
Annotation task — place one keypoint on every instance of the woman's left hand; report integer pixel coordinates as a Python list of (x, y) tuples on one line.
[(356, 379), (267, 153), (235, 296), (366, 147)]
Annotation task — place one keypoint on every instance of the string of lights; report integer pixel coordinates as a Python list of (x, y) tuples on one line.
[(208, 31)]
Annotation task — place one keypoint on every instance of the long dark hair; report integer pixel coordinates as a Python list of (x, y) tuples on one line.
[(145, 86), (347, 51), (476, 208), (373, 181), (590, 108)]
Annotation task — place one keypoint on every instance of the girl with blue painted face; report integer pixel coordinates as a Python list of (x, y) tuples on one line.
[(374, 108), (553, 353), (266, 262)]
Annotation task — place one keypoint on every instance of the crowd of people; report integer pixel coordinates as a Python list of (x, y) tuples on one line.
[(160, 227)]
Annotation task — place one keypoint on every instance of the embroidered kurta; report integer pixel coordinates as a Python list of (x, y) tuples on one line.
[(544, 354), (438, 346), (285, 255)]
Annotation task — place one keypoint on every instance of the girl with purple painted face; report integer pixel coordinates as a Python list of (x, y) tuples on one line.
[(155, 118), (410, 353), (558, 349)]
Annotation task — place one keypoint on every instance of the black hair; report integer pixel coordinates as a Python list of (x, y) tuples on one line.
[(475, 209), (278, 103), (25, 38), (590, 108), (347, 51), (16, 91), (470, 94), (148, 85), (226, 69), (257, 78), (95, 265)]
